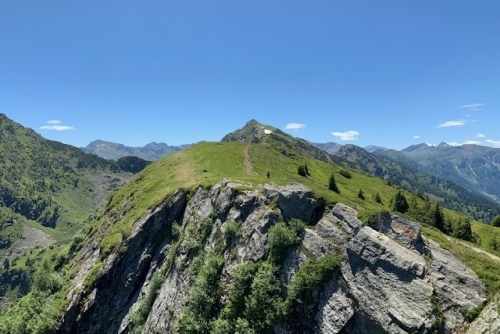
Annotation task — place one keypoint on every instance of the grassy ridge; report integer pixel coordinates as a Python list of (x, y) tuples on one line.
[(250, 162), (205, 164)]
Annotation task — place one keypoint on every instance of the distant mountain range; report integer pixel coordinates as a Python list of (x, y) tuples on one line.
[(474, 167), (469, 173), (113, 151), (48, 188)]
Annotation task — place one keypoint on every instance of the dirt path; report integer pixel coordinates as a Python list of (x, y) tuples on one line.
[(475, 249), (248, 161)]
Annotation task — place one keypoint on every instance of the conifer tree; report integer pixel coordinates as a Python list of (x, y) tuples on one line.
[(332, 184), (496, 221), (437, 216), (399, 203)]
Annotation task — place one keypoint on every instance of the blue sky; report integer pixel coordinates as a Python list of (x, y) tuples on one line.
[(387, 73)]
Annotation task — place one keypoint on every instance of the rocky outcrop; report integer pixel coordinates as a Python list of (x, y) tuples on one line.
[(390, 280), (488, 322), (457, 288)]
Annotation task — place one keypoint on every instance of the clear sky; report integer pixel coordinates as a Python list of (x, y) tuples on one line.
[(375, 72)]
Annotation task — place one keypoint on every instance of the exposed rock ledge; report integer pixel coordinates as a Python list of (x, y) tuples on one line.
[(391, 280)]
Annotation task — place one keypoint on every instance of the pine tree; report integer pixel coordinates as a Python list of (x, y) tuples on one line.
[(332, 184), (437, 216), (463, 230), (496, 221), (400, 204), (301, 170), (361, 194)]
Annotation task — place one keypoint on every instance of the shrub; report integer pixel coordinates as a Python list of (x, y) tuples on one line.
[(138, 319), (373, 217), (301, 170), (345, 173), (91, 278), (474, 312), (281, 237), (263, 304), (203, 303), (494, 243), (310, 275), (231, 232), (496, 221), (239, 290)]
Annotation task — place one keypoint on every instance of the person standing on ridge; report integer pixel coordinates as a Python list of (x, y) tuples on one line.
[(268, 174)]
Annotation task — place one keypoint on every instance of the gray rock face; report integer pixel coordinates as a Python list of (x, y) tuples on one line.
[(115, 288), (347, 218), (317, 245), (389, 280), (457, 288), (488, 321), (401, 230), (336, 309), (294, 201)]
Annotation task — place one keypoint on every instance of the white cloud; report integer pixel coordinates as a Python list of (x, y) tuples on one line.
[(55, 125), (451, 123), (348, 135), (294, 126), (495, 143), (473, 106), (480, 135), (467, 142), (416, 137)]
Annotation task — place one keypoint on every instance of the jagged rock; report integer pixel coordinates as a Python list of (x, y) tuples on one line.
[(293, 261), (457, 288), (388, 283), (317, 245), (403, 231), (336, 309), (121, 273), (347, 218), (327, 228), (294, 201), (488, 322)]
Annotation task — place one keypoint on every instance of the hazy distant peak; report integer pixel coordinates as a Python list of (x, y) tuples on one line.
[(373, 148), (114, 151), (445, 144)]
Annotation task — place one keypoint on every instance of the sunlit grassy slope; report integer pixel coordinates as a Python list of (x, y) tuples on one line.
[(207, 163)]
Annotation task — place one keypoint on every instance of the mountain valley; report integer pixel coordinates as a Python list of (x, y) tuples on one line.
[(202, 240)]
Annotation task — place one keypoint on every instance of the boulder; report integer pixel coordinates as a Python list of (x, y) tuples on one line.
[(388, 281)]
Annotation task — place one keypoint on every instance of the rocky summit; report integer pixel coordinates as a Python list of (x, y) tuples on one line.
[(212, 244)]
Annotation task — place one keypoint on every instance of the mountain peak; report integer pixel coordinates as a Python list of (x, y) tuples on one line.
[(252, 132), (444, 144)]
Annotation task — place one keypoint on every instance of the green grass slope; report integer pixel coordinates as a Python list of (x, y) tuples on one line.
[(205, 164)]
